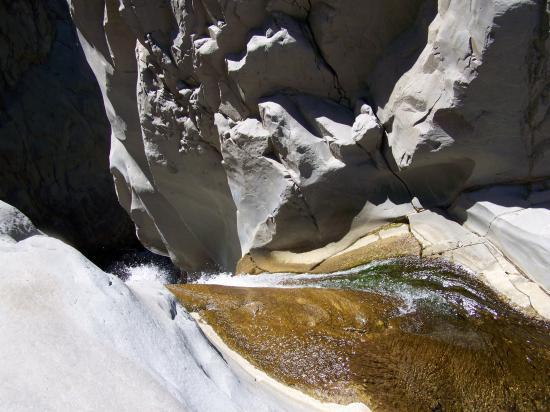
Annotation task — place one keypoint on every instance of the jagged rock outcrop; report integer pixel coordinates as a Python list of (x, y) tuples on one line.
[(276, 127), (54, 135)]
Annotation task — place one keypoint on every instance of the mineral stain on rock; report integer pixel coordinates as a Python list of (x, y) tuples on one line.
[(406, 334)]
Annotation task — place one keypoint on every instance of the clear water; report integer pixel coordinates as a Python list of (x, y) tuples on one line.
[(435, 337)]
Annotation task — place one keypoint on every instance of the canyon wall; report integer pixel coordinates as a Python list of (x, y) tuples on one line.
[(77, 338), (54, 135), (267, 126)]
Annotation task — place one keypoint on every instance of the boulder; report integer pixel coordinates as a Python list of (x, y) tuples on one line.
[(75, 337), (14, 225)]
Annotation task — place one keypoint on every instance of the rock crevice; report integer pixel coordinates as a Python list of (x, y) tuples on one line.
[(54, 135)]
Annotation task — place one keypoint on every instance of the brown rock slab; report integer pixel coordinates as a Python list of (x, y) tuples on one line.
[(348, 345), (393, 247)]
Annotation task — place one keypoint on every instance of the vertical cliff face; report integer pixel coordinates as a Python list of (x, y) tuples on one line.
[(273, 125), (473, 107), (54, 135)]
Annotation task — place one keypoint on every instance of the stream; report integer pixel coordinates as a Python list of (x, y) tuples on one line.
[(403, 334)]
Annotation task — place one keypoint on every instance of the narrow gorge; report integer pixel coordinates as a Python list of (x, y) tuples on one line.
[(275, 205)]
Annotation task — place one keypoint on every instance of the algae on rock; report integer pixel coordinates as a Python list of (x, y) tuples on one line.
[(404, 335)]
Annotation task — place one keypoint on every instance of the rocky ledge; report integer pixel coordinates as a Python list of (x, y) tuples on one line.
[(428, 234)]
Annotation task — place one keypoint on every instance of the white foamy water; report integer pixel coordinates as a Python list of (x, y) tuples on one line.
[(408, 295), (282, 280), (147, 272)]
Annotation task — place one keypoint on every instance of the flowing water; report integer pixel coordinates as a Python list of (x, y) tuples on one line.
[(404, 334)]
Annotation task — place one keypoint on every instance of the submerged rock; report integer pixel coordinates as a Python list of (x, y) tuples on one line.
[(405, 335)]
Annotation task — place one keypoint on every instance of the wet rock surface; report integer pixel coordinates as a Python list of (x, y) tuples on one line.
[(391, 241), (406, 334)]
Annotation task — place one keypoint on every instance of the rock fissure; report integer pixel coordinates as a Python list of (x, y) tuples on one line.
[(428, 113), (539, 82), (319, 53), (497, 259), (385, 148)]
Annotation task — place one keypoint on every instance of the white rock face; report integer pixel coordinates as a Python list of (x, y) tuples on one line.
[(272, 126), (14, 225), (517, 220), (75, 338), (272, 61), (443, 237), (471, 110), (203, 73)]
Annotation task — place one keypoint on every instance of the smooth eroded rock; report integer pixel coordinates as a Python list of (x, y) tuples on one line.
[(397, 336), (73, 337), (297, 128)]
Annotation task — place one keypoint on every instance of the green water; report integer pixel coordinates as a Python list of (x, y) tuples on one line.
[(401, 335), (433, 285), (451, 336)]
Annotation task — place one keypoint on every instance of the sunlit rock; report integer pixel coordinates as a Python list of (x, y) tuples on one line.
[(396, 334)]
